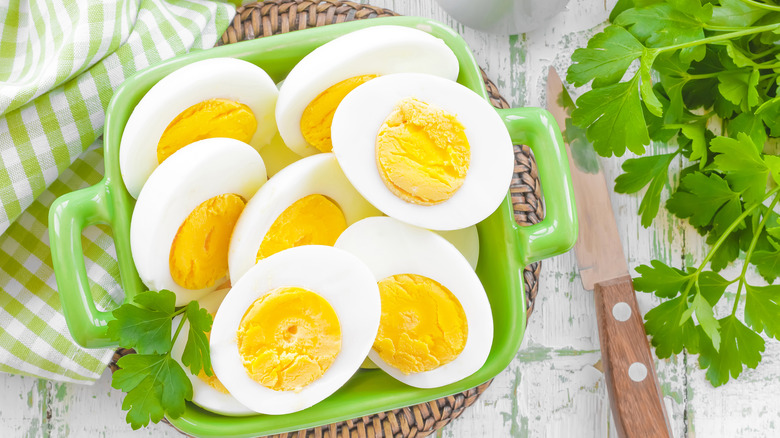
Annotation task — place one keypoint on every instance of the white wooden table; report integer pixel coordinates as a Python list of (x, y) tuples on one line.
[(553, 387)]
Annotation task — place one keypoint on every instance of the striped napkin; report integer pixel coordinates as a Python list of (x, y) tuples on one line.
[(60, 61)]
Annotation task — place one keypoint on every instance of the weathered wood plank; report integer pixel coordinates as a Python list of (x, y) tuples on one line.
[(89, 411), (23, 406)]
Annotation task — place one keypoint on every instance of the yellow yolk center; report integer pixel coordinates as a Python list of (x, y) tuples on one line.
[(423, 325), (208, 119), (288, 338), (199, 253), (311, 220), (318, 115), (422, 153)]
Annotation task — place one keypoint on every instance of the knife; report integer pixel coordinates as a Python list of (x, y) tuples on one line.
[(635, 397)]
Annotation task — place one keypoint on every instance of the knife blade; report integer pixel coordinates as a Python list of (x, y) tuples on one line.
[(635, 396)]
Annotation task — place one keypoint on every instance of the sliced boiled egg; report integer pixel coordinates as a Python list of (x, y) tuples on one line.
[(436, 326), (277, 156), (466, 240), (207, 391), (295, 328), (220, 97), (311, 92), (427, 151), (309, 202), (181, 225)]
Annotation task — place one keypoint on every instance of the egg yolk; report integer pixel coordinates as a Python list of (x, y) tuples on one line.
[(422, 152), (318, 115), (288, 338), (311, 220), (199, 253), (422, 326), (208, 119)]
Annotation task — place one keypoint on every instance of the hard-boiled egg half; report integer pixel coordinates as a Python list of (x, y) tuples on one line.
[(436, 326), (220, 97), (277, 156), (427, 151), (309, 202), (207, 391), (466, 240), (315, 86), (181, 225), (295, 328)]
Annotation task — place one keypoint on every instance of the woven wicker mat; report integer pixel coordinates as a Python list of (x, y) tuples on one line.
[(281, 16)]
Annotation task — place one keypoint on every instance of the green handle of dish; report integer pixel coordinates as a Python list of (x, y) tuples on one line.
[(557, 232), (68, 216)]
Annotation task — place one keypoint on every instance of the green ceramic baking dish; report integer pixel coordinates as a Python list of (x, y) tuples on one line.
[(505, 247)]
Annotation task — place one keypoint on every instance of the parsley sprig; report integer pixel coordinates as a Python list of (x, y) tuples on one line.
[(701, 76), (155, 383)]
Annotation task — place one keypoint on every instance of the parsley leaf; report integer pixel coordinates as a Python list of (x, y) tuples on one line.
[(750, 124), (745, 170), (664, 281), (613, 115), (736, 13), (144, 324), (606, 59), (738, 346), (196, 350), (668, 333), (701, 198), (706, 316), (662, 24), (770, 113), (726, 253), (739, 88), (155, 384), (768, 264), (762, 305), (712, 286), (639, 172), (697, 133)]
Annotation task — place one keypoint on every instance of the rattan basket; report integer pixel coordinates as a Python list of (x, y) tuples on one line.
[(273, 17)]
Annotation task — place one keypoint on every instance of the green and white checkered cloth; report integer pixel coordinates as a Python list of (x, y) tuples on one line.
[(60, 61)]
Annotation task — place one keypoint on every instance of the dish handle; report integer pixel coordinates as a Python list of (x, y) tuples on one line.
[(557, 232), (68, 216)]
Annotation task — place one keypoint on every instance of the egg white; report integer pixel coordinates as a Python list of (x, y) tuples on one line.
[(277, 156), (375, 50), (466, 240), (190, 176), (203, 394), (335, 275), (319, 174), (389, 247), (492, 156), (217, 78)]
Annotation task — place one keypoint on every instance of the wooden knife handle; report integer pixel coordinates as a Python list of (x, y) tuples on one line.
[(634, 394)]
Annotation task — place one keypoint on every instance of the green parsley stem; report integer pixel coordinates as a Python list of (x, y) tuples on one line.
[(764, 53), (761, 5), (178, 329), (752, 246), (722, 28), (733, 225), (725, 235), (718, 38), (703, 76)]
